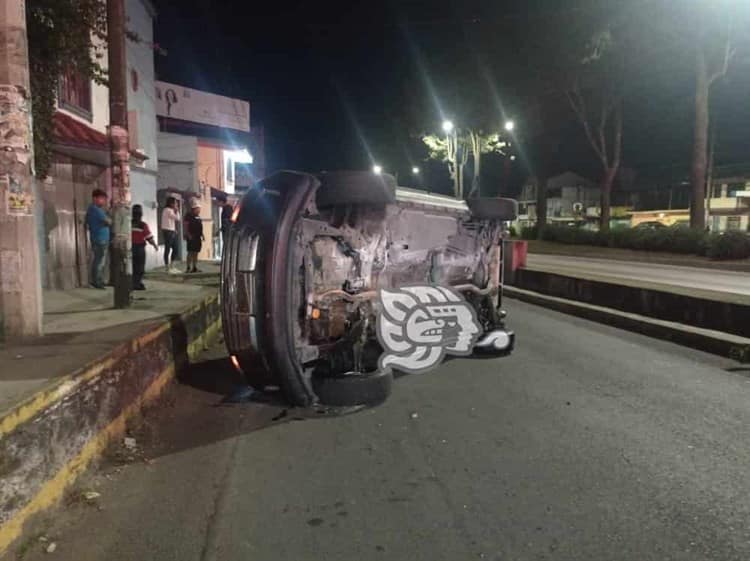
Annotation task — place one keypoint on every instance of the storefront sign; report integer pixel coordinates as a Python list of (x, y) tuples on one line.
[(200, 107)]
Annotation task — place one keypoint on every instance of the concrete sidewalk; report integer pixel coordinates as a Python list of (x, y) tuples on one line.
[(64, 395)]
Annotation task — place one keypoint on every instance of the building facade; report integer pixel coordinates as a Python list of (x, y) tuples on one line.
[(81, 157), (203, 139), (569, 196), (142, 124), (729, 205)]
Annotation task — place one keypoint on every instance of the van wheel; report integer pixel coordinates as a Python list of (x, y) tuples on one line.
[(493, 208), (355, 188)]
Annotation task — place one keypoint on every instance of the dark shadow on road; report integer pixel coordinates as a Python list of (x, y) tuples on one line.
[(216, 376), (211, 403)]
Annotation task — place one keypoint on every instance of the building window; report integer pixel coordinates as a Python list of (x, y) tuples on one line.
[(230, 170), (734, 223), (733, 188), (75, 94), (134, 79)]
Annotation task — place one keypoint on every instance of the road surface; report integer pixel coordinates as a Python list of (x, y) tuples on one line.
[(715, 280), (589, 443)]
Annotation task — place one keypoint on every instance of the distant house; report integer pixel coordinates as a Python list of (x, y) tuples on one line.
[(569, 196), (665, 197), (729, 203)]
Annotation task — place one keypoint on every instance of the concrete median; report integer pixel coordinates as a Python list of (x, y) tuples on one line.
[(718, 326)]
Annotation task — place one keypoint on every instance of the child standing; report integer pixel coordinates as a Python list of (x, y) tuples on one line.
[(98, 223), (141, 235), (194, 235)]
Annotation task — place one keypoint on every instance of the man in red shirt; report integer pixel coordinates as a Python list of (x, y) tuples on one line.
[(141, 235)]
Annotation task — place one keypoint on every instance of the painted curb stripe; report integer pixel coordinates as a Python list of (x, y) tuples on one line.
[(51, 491)]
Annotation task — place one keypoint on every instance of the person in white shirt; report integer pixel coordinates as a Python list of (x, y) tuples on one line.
[(169, 221)]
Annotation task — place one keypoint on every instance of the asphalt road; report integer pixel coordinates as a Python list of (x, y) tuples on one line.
[(589, 443), (671, 275)]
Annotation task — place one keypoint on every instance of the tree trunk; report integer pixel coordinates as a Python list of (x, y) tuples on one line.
[(700, 144), (606, 198), (451, 143), (476, 190), (463, 157), (541, 205), (453, 171), (476, 150), (460, 180), (20, 275)]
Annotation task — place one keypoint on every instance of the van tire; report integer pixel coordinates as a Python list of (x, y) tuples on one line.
[(355, 188), (493, 208)]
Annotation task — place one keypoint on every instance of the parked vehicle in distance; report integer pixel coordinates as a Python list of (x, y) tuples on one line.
[(650, 225), (307, 255)]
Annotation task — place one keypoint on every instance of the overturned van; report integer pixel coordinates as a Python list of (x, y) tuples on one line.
[(312, 262)]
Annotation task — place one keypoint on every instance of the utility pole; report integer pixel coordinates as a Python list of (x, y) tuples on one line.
[(122, 266), (20, 275)]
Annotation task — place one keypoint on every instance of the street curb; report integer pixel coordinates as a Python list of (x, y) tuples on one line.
[(714, 342), (47, 441)]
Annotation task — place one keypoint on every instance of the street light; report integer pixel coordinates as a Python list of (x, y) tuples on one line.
[(377, 169), (509, 126), (512, 157), (448, 126), (415, 170)]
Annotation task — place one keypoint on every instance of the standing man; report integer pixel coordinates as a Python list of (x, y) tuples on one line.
[(226, 220), (194, 235), (169, 221), (98, 223)]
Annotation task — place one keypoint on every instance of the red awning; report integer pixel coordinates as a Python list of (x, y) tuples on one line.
[(71, 132)]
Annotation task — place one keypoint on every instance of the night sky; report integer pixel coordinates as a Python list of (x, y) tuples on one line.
[(342, 84)]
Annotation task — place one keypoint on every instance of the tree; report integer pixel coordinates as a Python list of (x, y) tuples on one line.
[(710, 67), (598, 107), (544, 83), (457, 147), (480, 142), (63, 36), (698, 39), (445, 149)]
